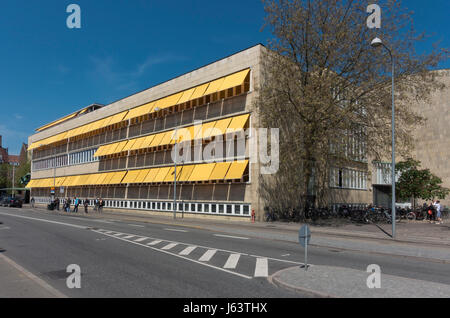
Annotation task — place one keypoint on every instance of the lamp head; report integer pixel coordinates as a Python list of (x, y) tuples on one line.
[(376, 43)]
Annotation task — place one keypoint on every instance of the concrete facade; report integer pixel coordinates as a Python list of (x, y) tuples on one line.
[(232, 196), (432, 146)]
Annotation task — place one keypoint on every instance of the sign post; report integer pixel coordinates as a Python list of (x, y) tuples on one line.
[(304, 236)]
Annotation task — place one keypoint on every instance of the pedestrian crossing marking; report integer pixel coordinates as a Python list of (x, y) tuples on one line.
[(261, 263), (169, 246), (207, 256), (155, 242), (261, 269), (232, 261), (187, 250)]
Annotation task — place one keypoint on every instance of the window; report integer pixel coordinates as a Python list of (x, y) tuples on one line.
[(343, 178)]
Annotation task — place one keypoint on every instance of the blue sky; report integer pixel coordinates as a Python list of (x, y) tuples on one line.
[(48, 70)]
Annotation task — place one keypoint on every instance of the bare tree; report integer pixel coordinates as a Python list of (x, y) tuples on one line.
[(329, 91)]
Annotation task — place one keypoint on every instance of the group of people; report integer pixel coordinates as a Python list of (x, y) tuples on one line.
[(99, 203), (434, 213)]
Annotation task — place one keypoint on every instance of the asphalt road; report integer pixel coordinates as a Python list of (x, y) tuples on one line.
[(132, 259)]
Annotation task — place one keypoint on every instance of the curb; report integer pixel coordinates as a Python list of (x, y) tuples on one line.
[(278, 283)]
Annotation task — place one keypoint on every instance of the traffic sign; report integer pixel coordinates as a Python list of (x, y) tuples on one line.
[(304, 235)]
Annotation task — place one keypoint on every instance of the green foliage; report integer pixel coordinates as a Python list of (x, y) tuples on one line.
[(418, 183)]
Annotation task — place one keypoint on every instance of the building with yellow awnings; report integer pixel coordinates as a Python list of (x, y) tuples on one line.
[(124, 152)]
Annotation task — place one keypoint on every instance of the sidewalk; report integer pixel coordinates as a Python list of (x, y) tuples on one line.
[(336, 282), (17, 282), (417, 239)]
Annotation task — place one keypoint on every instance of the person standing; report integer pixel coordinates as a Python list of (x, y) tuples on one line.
[(75, 203), (438, 212), (96, 205), (57, 204), (86, 205), (68, 202), (32, 202), (101, 204)]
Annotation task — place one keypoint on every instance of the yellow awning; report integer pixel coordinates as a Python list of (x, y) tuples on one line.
[(157, 140), (161, 176), (139, 111), (220, 171), (171, 174), (167, 138), (207, 130), (118, 118), (141, 176), (238, 123), (31, 184), (129, 144), (168, 101), (186, 172), (100, 151), (186, 96), (214, 86), (117, 177), (120, 146), (202, 172), (108, 177), (147, 141), (199, 91), (151, 175), (220, 127), (237, 169), (233, 80), (59, 181), (99, 178), (130, 176), (138, 143)]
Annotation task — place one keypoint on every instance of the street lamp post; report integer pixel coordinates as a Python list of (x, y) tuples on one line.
[(377, 43)]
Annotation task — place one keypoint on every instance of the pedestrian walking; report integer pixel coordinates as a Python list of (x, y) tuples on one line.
[(75, 203), (96, 205), (57, 204), (32, 202), (68, 202), (86, 205), (101, 204), (432, 212), (438, 212)]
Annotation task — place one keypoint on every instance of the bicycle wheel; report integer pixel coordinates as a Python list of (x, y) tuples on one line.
[(411, 216)]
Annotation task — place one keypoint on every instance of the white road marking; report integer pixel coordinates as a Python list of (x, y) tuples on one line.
[(207, 256), (187, 250), (176, 230), (129, 236), (118, 234), (232, 261), (43, 220), (185, 258), (229, 236), (141, 239), (284, 255), (169, 246), (155, 242), (261, 269)]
